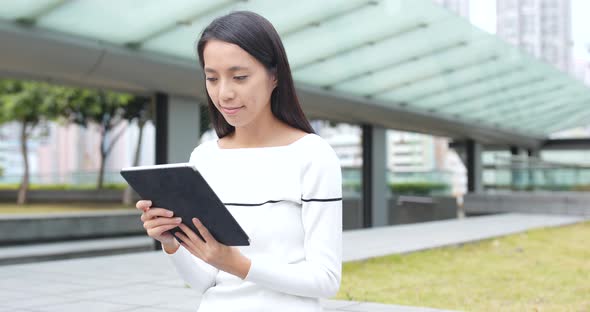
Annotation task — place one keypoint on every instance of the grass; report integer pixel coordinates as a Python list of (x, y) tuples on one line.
[(540, 270), (10, 208)]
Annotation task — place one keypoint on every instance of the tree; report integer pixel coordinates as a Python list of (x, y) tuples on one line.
[(105, 109), (30, 104), (142, 110)]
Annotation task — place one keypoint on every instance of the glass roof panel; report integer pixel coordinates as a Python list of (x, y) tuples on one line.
[(500, 107), (485, 104), (385, 53), (293, 16), (472, 91), (536, 114), (12, 10), (328, 39), (392, 52), (553, 119), (127, 21), (455, 77)]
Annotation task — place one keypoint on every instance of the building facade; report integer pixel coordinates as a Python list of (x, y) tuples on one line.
[(540, 27)]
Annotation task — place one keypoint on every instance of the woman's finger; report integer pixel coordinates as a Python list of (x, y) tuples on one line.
[(203, 230), (143, 205), (188, 232), (182, 237), (157, 231), (189, 244), (153, 223), (159, 212)]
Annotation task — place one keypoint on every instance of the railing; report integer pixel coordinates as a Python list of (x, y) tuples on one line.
[(523, 173), (412, 183)]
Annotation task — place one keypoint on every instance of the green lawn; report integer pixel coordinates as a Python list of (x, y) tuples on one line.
[(9, 208), (540, 270)]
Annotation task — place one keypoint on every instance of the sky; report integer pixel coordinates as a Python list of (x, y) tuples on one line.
[(483, 15)]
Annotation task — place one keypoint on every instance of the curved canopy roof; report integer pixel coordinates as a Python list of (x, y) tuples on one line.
[(409, 65)]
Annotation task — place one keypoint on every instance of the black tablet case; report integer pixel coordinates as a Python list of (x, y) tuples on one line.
[(183, 190)]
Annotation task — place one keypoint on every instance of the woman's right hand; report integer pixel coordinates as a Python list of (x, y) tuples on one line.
[(157, 221)]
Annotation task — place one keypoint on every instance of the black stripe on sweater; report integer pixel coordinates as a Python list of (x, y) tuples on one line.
[(277, 201), (322, 199), (240, 204)]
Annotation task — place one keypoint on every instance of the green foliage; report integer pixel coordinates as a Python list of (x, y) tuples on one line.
[(82, 106), (404, 188), (139, 108), (28, 102), (418, 188)]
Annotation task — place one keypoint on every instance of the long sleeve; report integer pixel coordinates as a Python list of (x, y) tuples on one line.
[(319, 274), (194, 271)]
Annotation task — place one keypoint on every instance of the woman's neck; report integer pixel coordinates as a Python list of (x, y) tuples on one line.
[(258, 134)]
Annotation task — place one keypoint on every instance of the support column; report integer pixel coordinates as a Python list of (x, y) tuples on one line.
[(177, 123), (375, 202), (161, 125), (184, 124), (534, 157), (473, 151), (517, 168)]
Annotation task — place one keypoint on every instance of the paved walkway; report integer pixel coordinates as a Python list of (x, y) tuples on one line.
[(148, 282)]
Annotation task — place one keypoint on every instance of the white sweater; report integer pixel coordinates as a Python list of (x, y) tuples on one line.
[(288, 199)]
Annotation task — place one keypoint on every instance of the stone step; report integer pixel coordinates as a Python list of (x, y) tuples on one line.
[(74, 249)]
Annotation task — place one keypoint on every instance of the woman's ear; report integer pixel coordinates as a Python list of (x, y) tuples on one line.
[(273, 77)]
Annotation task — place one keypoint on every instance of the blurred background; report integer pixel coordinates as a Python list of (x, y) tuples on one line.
[(437, 109)]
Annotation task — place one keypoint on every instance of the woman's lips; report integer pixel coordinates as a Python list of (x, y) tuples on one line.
[(231, 110)]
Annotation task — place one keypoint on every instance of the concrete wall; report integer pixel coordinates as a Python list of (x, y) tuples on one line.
[(563, 203), (19, 229), (402, 210), (82, 196)]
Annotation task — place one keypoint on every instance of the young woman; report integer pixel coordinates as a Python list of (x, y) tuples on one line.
[(279, 180)]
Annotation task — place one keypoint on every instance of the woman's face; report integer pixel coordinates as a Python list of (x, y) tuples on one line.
[(239, 85)]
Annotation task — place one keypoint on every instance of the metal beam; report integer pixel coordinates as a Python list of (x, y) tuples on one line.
[(566, 144)]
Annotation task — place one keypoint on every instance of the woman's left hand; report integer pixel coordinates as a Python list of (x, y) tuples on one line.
[(223, 257)]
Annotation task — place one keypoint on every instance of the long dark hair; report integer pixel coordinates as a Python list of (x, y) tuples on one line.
[(256, 35)]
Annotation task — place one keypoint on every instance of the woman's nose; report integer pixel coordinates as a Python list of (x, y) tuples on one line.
[(226, 91)]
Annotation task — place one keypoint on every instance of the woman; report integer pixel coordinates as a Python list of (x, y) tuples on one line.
[(279, 180)]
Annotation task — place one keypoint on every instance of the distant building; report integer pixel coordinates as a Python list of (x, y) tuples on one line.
[(540, 27)]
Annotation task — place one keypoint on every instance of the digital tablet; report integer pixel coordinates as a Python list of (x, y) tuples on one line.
[(181, 189)]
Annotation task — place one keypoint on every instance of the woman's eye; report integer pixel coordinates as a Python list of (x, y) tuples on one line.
[(240, 77), (211, 79)]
